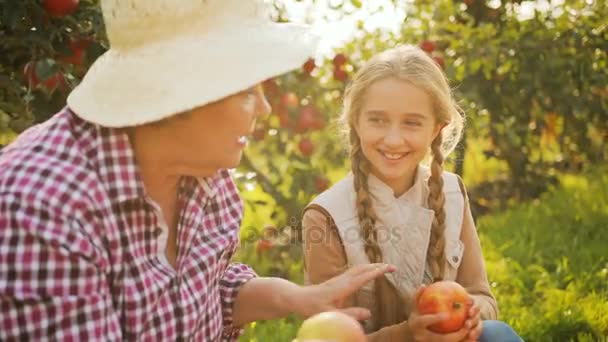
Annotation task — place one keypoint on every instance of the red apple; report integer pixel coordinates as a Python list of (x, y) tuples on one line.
[(290, 100), (306, 147), (339, 60), (309, 66), (284, 120), (427, 46), (439, 61), (340, 75), (60, 8), (446, 297), (51, 83), (308, 118), (321, 183), (331, 326), (78, 48)]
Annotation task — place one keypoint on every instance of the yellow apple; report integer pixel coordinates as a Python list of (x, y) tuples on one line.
[(331, 326)]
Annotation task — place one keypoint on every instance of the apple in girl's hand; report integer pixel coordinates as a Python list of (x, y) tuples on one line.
[(331, 326), (446, 297)]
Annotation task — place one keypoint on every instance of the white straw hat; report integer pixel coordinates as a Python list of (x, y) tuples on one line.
[(170, 56)]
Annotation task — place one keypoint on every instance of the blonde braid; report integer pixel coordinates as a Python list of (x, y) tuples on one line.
[(367, 216), (361, 168), (436, 201)]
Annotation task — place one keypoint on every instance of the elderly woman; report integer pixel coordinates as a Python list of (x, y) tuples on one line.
[(118, 217)]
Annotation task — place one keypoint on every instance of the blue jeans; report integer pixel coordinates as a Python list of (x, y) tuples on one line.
[(497, 331)]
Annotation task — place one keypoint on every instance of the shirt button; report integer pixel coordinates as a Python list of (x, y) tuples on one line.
[(455, 259)]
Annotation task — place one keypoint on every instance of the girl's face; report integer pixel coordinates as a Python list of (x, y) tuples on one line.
[(396, 127)]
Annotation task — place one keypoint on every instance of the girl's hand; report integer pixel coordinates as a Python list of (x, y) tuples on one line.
[(419, 324), (474, 323)]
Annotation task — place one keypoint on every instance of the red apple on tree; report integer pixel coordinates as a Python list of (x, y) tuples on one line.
[(308, 117), (427, 46), (306, 147), (340, 74), (60, 8), (447, 297), (309, 66), (51, 83), (78, 49), (290, 100), (339, 60), (439, 61), (284, 120), (321, 183)]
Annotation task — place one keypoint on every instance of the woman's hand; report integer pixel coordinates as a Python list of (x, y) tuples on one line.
[(419, 326), (270, 298), (330, 295), (474, 323)]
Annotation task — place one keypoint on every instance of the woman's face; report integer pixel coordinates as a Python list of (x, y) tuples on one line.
[(396, 127), (213, 136)]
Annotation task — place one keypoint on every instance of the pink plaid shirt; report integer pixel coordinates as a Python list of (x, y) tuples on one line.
[(82, 245)]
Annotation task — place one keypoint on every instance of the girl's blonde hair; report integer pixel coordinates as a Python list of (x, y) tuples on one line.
[(407, 63)]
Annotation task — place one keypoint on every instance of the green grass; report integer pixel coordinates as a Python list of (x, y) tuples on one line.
[(548, 261)]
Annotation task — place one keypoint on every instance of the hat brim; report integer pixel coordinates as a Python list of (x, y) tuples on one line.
[(150, 83)]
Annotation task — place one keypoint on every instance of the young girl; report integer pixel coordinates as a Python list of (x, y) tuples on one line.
[(397, 110)]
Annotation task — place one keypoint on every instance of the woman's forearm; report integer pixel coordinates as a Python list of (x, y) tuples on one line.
[(263, 299)]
